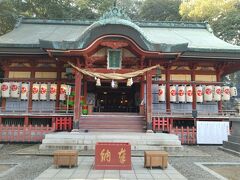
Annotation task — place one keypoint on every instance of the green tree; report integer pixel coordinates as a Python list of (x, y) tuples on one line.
[(162, 10), (222, 15), (7, 17)]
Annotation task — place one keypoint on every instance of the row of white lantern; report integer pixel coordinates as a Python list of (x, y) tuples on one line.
[(40, 91), (208, 93)]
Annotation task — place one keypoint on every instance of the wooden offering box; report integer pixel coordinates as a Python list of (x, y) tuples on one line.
[(65, 158), (155, 159)]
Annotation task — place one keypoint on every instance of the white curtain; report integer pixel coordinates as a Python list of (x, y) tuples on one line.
[(209, 132)]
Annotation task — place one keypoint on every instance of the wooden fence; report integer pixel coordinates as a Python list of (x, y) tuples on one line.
[(187, 135), (161, 124), (24, 133)]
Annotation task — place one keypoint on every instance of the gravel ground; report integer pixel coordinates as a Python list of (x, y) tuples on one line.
[(186, 166), (30, 166)]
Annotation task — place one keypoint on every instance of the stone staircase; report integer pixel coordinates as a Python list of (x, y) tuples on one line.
[(112, 122)]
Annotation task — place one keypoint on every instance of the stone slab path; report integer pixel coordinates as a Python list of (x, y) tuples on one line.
[(85, 170)]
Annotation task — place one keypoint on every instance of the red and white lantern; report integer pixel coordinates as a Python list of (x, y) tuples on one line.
[(233, 91), (199, 94), (173, 93), (189, 93), (208, 95), (43, 91), (225, 93), (53, 92), (162, 93), (24, 91), (5, 89), (15, 90), (181, 94), (63, 92), (217, 93), (35, 91)]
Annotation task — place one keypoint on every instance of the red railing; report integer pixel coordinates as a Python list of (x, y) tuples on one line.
[(23, 133), (161, 124), (64, 123), (187, 135)]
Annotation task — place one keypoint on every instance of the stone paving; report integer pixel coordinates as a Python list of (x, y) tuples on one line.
[(85, 170)]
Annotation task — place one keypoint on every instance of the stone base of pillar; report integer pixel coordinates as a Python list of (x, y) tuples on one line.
[(76, 125)]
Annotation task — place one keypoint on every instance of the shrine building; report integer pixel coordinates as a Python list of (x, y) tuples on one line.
[(113, 74)]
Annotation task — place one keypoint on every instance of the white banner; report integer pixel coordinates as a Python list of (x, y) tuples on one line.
[(209, 132)]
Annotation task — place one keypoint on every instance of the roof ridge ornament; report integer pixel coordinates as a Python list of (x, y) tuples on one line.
[(115, 12)]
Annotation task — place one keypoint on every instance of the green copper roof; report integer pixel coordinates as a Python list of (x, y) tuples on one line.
[(150, 36)]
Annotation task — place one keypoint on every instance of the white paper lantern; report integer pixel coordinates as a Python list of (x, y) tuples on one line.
[(199, 94), (181, 93), (162, 93), (208, 95), (43, 91), (233, 91), (173, 93), (24, 91), (225, 93), (35, 91), (15, 90), (189, 93), (53, 92), (217, 93), (63, 91), (5, 89)]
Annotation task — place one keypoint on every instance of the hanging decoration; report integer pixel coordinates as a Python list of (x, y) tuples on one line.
[(114, 84), (130, 82), (98, 82), (114, 76)]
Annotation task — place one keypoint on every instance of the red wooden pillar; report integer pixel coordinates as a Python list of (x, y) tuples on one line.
[(167, 75), (77, 106), (85, 89), (218, 78), (26, 120), (194, 103), (59, 76), (149, 100), (142, 89), (32, 76)]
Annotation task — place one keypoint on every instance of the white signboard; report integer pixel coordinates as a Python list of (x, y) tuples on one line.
[(209, 132)]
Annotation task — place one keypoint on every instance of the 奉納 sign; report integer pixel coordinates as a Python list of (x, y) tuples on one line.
[(113, 156)]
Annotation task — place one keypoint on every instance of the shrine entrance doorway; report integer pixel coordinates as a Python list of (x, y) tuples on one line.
[(120, 99)]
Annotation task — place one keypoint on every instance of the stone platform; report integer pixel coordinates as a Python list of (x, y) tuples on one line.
[(233, 143), (87, 141)]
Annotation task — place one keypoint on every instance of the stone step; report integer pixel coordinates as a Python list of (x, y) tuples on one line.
[(110, 130), (92, 147), (87, 141), (231, 145)]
